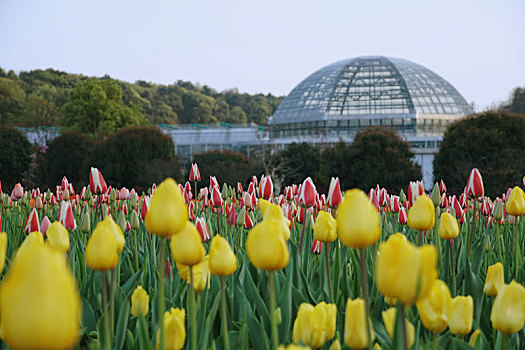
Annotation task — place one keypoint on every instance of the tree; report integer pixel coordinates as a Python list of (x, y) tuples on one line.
[(299, 161), (493, 142), (136, 157), (15, 152), (67, 155), (96, 108), (198, 108), (229, 167), (377, 156), (12, 98), (516, 103)]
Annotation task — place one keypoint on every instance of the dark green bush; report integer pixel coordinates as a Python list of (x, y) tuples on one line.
[(15, 150), (493, 142), (67, 155), (227, 166), (137, 157)]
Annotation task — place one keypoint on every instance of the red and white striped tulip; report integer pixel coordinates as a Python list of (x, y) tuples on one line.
[(394, 204), (65, 216), (144, 208), (239, 188), (216, 198), (402, 219), (32, 222), (442, 187), (17, 193), (307, 195), (266, 187), (372, 195), (248, 222), (195, 175), (202, 227), (475, 184), (334, 193), (44, 225), (316, 247), (123, 194), (96, 182), (64, 183)]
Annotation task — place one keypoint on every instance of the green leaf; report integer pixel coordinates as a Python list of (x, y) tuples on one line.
[(129, 286), (122, 325), (88, 316)]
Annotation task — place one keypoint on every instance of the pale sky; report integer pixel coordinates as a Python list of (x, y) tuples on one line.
[(267, 46)]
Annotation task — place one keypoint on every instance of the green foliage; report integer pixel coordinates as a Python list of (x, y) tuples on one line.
[(229, 167), (377, 156), (299, 161), (14, 156), (137, 157), (67, 155), (96, 108), (48, 91), (493, 142)]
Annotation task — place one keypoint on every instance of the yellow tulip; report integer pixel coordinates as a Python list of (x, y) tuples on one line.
[(336, 345), (448, 226), (274, 212), (139, 302), (58, 237), (377, 346), (314, 326), (115, 229), (325, 227), (292, 347), (460, 313), (102, 248), (389, 319), (508, 311), (358, 220), (421, 214), (186, 245), (167, 213), (356, 335), (516, 202), (474, 337), (266, 245), (223, 261), (403, 271), (39, 299), (201, 274), (495, 279), (3, 248), (174, 330), (434, 308)]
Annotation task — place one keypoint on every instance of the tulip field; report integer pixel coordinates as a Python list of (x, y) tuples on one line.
[(203, 265)]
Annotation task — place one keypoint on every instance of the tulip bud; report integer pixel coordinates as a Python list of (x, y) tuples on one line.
[(121, 221), (38, 290), (433, 309), (58, 237), (174, 329), (508, 311), (357, 220), (85, 222), (167, 213), (32, 222), (266, 245), (402, 219), (266, 187), (495, 279), (356, 335), (186, 245), (308, 192), (516, 202), (102, 248), (475, 184), (448, 226), (3, 248), (497, 210), (314, 326), (39, 205), (195, 175), (460, 313), (435, 196), (200, 272), (389, 319), (96, 182), (325, 227), (316, 247), (139, 302), (421, 214), (223, 261)]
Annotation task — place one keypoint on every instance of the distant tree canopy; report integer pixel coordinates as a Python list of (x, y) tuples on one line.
[(377, 156), (299, 161), (493, 142), (516, 102), (227, 166), (14, 156), (52, 98), (96, 108)]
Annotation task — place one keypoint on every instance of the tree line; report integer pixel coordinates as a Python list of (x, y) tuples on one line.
[(101, 106)]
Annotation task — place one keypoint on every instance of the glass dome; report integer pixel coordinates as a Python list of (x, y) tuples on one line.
[(371, 87)]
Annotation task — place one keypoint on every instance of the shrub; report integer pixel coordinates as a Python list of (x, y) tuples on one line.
[(227, 166), (137, 157), (493, 142), (67, 155), (15, 152)]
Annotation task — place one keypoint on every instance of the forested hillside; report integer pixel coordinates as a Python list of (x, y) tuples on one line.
[(53, 98)]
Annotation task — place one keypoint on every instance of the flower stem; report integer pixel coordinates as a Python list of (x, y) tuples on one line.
[(193, 322), (225, 338), (403, 326), (302, 235), (328, 276), (275, 336), (516, 249), (505, 345), (452, 269), (107, 330), (136, 249), (162, 265), (499, 242), (471, 238), (364, 285)]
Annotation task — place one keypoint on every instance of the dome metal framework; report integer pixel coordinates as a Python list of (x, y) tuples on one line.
[(351, 94)]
